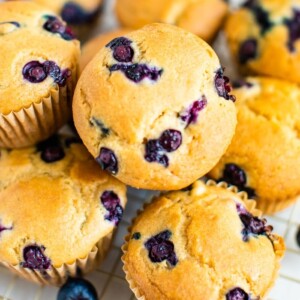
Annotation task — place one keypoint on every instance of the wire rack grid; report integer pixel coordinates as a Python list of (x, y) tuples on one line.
[(109, 277)]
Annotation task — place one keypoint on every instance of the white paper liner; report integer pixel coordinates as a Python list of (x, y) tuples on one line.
[(58, 276)]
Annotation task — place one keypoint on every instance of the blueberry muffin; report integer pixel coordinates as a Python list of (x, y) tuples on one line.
[(58, 210), (265, 151), (201, 17), (263, 32), (228, 253), (152, 121), (81, 15), (39, 65), (91, 48)]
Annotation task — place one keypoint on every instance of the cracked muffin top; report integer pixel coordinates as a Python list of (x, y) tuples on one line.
[(206, 242), (56, 204), (38, 54), (264, 31), (175, 118), (264, 154), (202, 17)]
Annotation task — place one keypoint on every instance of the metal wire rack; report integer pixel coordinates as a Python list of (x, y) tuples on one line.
[(109, 278)]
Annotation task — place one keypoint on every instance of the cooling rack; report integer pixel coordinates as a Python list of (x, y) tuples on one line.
[(109, 279)]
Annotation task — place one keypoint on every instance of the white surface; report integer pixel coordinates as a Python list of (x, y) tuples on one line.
[(109, 278)]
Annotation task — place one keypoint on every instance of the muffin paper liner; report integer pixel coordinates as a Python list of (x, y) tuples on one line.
[(37, 122), (273, 207), (250, 205), (58, 276)]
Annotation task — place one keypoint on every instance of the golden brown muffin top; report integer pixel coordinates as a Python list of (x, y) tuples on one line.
[(207, 242), (55, 200), (38, 54), (135, 96), (266, 146)]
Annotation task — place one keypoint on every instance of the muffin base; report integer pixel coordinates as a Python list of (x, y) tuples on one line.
[(37, 122), (58, 276), (278, 243), (274, 207)]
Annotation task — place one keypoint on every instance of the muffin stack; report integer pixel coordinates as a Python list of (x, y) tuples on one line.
[(154, 110)]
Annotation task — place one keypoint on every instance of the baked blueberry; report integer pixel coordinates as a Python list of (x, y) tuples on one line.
[(234, 175), (122, 51), (54, 25), (108, 160), (222, 85), (237, 294), (252, 225), (160, 248), (35, 258), (104, 130), (293, 26), (136, 236), (137, 72), (190, 116), (248, 50), (262, 16), (170, 140), (4, 228), (34, 72), (51, 150), (77, 289), (112, 204), (74, 14), (155, 153)]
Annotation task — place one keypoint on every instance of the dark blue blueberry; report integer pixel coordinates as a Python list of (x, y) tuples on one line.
[(108, 160), (51, 150), (35, 259), (4, 228), (234, 175), (241, 83), (298, 237), (222, 85), (136, 236), (74, 14), (248, 50), (190, 116), (122, 51), (137, 72), (36, 72), (112, 204), (262, 17), (52, 154), (160, 248), (252, 225), (237, 294), (294, 29), (96, 122), (170, 140), (77, 289), (54, 25)]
